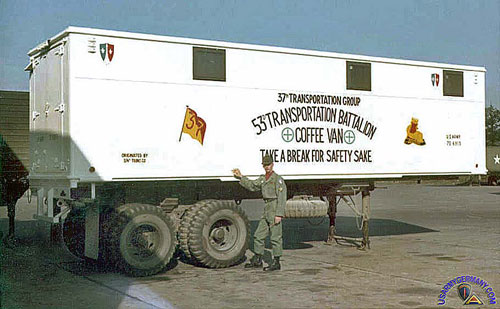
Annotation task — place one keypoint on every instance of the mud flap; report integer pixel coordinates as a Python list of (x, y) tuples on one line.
[(92, 232)]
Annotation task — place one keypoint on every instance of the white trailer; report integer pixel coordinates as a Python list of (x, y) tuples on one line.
[(123, 121)]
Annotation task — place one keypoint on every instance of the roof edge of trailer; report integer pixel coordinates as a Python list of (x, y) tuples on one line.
[(222, 44)]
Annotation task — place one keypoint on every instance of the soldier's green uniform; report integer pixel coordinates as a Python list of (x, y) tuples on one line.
[(274, 194)]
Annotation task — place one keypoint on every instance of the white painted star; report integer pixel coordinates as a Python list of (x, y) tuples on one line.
[(497, 159), (110, 51), (102, 50)]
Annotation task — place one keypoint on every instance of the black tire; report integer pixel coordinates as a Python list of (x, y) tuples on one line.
[(143, 241), (73, 233), (219, 234), (185, 225), (305, 208)]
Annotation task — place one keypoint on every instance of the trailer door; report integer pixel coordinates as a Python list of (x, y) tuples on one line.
[(48, 144)]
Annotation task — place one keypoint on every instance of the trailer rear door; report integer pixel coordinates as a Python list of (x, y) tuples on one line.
[(48, 144)]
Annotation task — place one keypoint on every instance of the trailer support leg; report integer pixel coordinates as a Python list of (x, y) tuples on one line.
[(344, 193), (365, 243), (332, 213), (10, 240), (11, 211)]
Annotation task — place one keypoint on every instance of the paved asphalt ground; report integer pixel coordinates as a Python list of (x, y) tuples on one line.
[(422, 236)]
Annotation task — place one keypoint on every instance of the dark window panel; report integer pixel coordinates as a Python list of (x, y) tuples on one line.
[(453, 84), (359, 76), (209, 64)]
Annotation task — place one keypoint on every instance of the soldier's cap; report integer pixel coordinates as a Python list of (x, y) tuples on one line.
[(267, 159)]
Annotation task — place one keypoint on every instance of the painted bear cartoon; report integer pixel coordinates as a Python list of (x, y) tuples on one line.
[(412, 135)]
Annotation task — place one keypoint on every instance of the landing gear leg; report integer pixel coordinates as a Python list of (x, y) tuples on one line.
[(332, 213), (11, 209), (345, 192), (10, 240), (365, 243)]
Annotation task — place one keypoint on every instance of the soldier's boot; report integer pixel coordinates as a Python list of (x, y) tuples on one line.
[(275, 265), (255, 262)]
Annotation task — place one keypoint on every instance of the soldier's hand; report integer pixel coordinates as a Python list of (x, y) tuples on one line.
[(237, 173), (277, 220)]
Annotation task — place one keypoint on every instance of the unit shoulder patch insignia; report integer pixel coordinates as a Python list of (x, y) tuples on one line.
[(474, 300)]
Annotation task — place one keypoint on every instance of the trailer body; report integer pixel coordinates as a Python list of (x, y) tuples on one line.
[(124, 115)]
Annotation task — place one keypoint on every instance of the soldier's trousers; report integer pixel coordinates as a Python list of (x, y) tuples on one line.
[(265, 226)]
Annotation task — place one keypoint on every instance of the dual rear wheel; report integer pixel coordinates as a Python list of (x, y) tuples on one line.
[(141, 239), (215, 233)]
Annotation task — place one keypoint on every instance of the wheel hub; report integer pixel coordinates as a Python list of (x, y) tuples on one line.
[(223, 235), (218, 234), (143, 241)]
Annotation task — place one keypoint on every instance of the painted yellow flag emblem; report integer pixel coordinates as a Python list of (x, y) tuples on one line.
[(194, 126)]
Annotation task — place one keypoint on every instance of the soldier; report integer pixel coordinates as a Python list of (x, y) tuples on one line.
[(274, 193)]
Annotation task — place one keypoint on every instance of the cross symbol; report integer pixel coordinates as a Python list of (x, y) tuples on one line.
[(102, 50), (349, 137), (287, 135), (111, 51)]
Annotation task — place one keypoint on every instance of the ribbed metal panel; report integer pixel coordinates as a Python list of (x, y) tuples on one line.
[(14, 124)]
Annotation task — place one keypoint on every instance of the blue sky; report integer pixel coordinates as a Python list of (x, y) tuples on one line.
[(457, 32)]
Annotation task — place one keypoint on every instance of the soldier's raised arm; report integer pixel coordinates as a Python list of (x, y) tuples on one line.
[(252, 185)]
